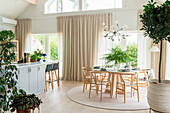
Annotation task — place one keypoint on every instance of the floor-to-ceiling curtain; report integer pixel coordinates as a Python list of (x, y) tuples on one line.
[(163, 64), (80, 36), (22, 32), (168, 60)]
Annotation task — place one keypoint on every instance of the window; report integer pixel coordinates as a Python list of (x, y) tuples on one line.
[(57, 6), (53, 6), (38, 42), (46, 43), (102, 4), (53, 48), (107, 45)]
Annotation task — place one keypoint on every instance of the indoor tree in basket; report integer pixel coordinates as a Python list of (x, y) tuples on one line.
[(156, 25), (8, 73)]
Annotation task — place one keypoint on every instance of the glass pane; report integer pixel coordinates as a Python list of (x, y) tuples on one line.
[(102, 4), (53, 48), (38, 42), (70, 5)]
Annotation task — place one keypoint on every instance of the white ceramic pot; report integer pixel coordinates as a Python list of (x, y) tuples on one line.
[(159, 95)]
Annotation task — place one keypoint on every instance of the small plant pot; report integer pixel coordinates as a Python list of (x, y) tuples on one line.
[(33, 60), (22, 111)]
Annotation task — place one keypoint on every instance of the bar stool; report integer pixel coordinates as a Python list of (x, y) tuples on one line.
[(48, 71), (54, 71)]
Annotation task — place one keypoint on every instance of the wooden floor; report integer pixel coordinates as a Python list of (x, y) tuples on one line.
[(56, 101)]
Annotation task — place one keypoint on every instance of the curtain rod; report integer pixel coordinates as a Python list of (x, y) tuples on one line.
[(54, 15)]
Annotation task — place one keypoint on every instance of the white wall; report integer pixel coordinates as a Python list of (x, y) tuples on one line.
[(42, 23), (7, 27)]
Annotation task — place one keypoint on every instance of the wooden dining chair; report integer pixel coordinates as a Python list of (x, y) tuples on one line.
[(143, 78), (54, 72), (48, 70), (99, 82), (87, 77), (122, 84)]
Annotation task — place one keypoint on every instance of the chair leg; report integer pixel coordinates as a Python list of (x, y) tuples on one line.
[(138, 92), (46, 80), (90, 91), (56, 77), (52, 73), (124, 93), (101, 91), (97, 89), (84, 86)]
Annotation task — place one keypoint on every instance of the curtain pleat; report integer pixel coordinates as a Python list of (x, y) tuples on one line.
[(80, 35)]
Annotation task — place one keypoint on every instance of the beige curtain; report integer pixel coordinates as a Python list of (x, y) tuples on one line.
[(22, 32), (156, 62), (139, 20), (80, 36)]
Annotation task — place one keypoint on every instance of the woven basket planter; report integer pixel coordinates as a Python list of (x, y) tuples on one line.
[(159, 95)]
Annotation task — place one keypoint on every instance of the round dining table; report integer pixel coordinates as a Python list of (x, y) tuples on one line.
[(113, 74)]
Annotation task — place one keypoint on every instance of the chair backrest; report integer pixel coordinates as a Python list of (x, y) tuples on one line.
[(49, 68), (86, 71), (55, 66)]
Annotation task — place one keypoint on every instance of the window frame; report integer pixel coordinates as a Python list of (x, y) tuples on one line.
[(80, 8), (47, 44)]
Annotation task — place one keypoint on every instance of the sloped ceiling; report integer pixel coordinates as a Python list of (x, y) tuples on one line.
[(12, 8)]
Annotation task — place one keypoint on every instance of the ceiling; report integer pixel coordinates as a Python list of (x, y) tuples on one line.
[(12, 8)]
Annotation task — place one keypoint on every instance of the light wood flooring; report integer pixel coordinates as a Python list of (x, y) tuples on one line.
[(56, 101)]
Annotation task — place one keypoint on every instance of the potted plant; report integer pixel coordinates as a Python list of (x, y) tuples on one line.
[(33, 58), (8, 72), (117, 56), (39, 54), (23, 103), (156, 25)]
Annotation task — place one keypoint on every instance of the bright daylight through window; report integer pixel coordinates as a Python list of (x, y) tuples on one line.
[(39, 42), (57, 6)]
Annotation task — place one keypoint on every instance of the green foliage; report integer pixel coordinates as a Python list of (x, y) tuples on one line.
[(156, 24), (25, 102), (53, 49), (37, 55), (132, 51), (33, 56), (8, 72), (156, 21), (117, 55)]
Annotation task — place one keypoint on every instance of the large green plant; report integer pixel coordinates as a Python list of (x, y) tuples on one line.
[(25, 102), (117, 55), (156, 24), (8, 72)]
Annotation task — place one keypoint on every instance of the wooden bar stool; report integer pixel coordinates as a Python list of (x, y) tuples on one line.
[(54, 71), (48, 70)]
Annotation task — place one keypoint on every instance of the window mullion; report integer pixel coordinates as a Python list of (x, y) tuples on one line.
[(81, 5)]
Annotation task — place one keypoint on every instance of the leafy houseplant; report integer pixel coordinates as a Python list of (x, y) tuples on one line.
[(36, 56), (33, 58), (8, 72), (117, 55), (39, 54), (156, 24), (24, 103)]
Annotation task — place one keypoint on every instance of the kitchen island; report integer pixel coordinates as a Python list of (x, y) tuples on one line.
[(31, 77)]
